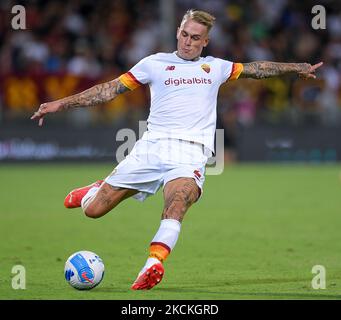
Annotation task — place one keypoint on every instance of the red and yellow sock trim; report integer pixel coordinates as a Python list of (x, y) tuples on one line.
[(159, 251), (129, 81)]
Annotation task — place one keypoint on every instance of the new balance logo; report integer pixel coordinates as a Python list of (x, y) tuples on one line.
[(170, 68)]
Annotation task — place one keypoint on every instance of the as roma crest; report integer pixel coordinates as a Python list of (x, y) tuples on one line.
[(206, 68)]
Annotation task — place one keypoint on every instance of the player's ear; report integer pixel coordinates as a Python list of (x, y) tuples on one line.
[(178, 33), (206, 41)]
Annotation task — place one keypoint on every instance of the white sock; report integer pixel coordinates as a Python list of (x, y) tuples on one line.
[(90, 194), (167, 234)]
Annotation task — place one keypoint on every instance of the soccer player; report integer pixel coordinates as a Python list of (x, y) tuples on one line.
[(180, 134)]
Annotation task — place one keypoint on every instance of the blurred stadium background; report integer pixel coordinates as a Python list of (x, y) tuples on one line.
[(70, 46)]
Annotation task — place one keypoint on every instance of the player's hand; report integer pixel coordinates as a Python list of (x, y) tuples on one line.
[(306, 70), (44, 109)]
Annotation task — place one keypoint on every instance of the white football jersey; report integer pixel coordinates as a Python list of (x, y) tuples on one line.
[(183, 94)]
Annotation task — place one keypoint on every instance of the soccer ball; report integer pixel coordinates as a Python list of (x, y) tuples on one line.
[(84, 270)]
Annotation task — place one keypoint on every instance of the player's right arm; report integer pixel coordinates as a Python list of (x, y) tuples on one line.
[(97, 94)]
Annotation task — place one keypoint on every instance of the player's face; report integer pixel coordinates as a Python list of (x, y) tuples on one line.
[(192, 38)]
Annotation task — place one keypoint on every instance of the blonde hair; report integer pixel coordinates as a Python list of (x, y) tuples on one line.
[(199, 16)]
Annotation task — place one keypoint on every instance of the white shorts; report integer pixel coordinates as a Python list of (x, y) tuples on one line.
[(153, 163)]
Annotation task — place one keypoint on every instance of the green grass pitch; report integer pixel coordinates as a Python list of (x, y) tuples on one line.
[(256, 234)]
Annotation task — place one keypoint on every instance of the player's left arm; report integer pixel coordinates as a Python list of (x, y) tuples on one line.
[(267, 69)]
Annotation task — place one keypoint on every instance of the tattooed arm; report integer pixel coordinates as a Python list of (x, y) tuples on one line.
[(266, 69), (97, 94)]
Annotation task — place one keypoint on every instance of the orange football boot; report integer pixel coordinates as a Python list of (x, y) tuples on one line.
[(150, 278), (74, 198)]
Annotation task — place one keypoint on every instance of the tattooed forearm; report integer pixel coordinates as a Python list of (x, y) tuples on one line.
[(266, 69), (97, 94)]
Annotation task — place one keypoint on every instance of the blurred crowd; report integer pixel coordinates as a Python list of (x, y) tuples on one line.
[(102, 39)]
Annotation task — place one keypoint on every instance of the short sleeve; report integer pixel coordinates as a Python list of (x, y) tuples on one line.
[(230, 70), (138, 75), (237, 69)]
